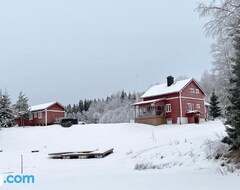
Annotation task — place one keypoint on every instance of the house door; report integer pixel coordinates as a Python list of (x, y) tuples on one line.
[(196, 118)]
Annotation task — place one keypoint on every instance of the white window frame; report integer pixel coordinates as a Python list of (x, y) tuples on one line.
[(189, 105), (40, 115), (168, 108), (35, 114), (30, 116), (198, 106), (192, 90), (197, 91)]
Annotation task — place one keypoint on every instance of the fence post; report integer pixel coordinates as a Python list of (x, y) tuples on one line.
[(21, 164)]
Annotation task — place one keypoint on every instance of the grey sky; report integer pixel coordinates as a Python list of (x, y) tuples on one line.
[(68, 50)]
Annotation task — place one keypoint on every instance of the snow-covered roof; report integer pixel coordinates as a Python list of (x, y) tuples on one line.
[(161, 89), (42, 106)]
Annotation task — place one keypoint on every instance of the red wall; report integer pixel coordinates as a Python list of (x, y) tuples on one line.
[(186, 91), (54, 116), (175, 110), (197, 99)]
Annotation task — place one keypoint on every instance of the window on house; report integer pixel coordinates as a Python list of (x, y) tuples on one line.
[(198, 106), (35, 114), (192, 90), (189, 107), (30, 116), (39, 115), (197, 91), (168, 108)]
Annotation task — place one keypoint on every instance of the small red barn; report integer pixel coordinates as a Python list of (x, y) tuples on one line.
[(174, 102), (44, 114)]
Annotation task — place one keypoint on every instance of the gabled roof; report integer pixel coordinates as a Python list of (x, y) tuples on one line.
[(163, 89), (44, 106)]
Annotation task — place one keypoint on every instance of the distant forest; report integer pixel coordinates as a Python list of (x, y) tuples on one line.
[(114, 109)]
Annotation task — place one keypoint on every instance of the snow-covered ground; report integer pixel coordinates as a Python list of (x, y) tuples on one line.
[(177, 150)]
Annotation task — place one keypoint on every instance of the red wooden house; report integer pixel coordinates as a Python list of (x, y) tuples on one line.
[(44, 114), (172, 103)]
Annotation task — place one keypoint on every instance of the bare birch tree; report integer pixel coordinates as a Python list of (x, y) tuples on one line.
[(223, 20)]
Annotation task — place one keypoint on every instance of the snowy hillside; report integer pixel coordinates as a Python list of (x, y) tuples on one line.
[(176, 151)]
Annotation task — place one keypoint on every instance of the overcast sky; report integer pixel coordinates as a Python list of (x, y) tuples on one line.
[(67, 50)]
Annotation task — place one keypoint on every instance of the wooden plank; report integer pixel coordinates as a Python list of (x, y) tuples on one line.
[(60, 153), (81, 154)]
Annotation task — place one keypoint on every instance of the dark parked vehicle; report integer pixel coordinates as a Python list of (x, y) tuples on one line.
[(68, 122)]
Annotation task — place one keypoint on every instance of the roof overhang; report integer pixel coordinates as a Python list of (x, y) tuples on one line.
[(148, 101), (193, 111)]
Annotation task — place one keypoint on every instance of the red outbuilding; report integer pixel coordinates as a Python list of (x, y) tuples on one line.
[(43, 114), (172, 103)]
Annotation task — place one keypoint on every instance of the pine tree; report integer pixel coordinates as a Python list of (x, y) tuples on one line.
[(233, 110), (81, 107), (6, 111), (21, 108), (215, 110), (0, 107)]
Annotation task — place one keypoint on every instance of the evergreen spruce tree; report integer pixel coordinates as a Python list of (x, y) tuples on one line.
[(233, 110), (21, 108), (6, 111), (0, 107), (215, 110), (81, 106)]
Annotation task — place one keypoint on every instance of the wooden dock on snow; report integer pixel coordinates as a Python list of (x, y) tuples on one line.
[(81, 154)]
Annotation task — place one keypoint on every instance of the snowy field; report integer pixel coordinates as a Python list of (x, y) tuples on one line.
[(178, 152)]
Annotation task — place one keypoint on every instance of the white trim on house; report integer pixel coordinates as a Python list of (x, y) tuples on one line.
[(55, 111), (173, 98), (185, 97)]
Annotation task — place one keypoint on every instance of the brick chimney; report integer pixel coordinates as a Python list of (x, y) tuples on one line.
[(170, 80)]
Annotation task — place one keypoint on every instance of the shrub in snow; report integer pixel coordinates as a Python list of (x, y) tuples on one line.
[(214, 149), (218, 150), (151, 166)]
